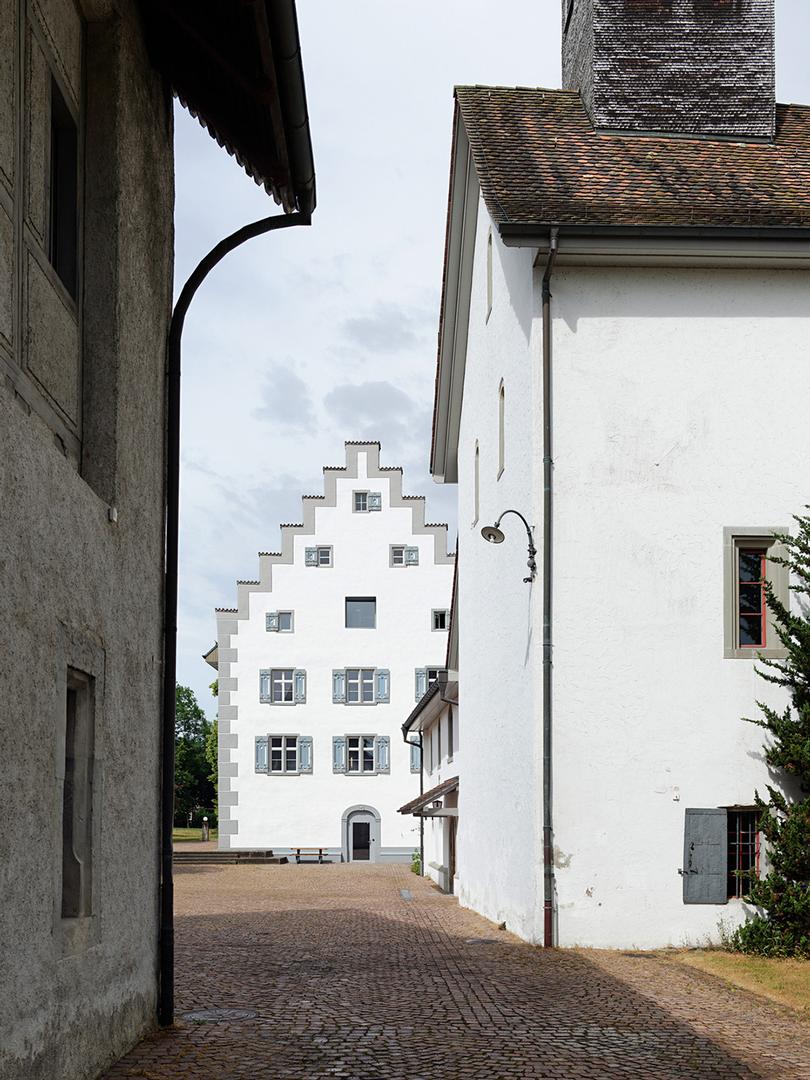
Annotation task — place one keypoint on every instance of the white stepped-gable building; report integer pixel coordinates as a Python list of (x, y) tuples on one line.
[(318, 663)]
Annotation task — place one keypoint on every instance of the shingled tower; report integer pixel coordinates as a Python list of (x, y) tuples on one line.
[(694, 67)]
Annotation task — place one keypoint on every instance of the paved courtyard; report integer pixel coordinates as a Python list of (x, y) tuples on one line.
[(367, 972)]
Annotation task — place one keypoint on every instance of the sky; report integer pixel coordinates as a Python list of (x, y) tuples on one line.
[(307, 337)]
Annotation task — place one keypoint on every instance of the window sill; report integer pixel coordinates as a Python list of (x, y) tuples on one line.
[(754, 654)]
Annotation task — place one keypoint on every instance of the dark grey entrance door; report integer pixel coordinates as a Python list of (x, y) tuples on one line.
[(361, 841)]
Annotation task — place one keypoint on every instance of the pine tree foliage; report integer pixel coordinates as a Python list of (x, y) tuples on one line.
[(784, 894)]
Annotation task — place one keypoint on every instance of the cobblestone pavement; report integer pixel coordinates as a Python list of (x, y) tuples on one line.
[(368, 972)]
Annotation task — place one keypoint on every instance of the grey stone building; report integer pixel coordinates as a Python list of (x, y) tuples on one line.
[(86, 252)]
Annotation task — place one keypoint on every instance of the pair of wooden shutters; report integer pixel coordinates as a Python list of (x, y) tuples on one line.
[(262, 753), (382, 754), (382, 686)]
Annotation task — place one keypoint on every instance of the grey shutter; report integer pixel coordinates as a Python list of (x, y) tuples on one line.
[(411, 556), (416, 764), (271, 620), (264, 685), (262, 764), (421, 683), (374, 500), (339, 753), (300, 684), (339, 686), (705, 851), (305, 753), (383, 684), (310, 556), (382, 745)]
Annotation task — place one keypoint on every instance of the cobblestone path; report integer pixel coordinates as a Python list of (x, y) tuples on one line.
[(367, 972)]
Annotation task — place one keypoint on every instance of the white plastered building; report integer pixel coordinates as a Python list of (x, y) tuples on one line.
[(319, 661), (624, 325)]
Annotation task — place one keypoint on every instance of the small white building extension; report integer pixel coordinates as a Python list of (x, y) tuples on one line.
[(624, 360), (324, 654)]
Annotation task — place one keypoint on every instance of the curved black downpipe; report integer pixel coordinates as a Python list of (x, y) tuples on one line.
[(172, 511)]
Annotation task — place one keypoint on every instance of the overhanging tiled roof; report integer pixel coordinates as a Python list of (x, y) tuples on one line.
[(237, 68), (421, 801), (540, 161)]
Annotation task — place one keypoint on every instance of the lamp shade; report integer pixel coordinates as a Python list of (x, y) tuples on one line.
[(492, 534)]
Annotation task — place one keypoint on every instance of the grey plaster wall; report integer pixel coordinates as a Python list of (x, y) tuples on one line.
[(686, 66), (80, 590)]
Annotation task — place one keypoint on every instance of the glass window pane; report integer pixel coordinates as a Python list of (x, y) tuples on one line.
[(751, 565), (360, 500), (285, 620), (324, 556), (750, 598), (354, 759), (398, 556), (751, 630), (275, 760), (361, 612), (291, 757), (368, 760)]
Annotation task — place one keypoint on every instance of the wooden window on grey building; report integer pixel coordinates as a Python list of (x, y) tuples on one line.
[(285, 755), (279, 622), (77, 797), (64, 192), (721, 854), (361, 755), (748, 561), (282, 686)]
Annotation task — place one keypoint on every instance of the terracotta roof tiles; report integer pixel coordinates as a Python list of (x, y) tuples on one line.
[(540, 161)]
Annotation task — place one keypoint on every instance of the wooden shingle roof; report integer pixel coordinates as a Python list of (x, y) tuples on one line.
[(540, 161)]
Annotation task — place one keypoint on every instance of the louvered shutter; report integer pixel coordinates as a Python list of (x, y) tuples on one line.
[(339, 686), (264, 685), (383, 685), (339, 753), (374, 501), (382, 746), (421, 683), (300, 682), (271, 620), (305, 753), (261, 754), (411, 556), (416, 764), (310, 556), (705, 853)]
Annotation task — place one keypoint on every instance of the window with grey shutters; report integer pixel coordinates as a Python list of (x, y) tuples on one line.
[(261, 758), (416, 757), (305, 753), (364, 502), (374, 500), (280, 622), (287, 754), (424, 678), (705, 855), (361, 686), (402, 555), (382, 753), (282, 686)]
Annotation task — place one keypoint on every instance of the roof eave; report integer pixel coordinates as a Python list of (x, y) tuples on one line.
[(462, 218)]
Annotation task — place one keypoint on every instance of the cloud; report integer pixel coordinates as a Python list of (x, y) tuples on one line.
[(381, 411), (389, 328), (285, 401)]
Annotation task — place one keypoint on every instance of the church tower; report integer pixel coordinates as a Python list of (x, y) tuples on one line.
[(691, 67)]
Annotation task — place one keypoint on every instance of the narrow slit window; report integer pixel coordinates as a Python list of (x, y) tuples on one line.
[(477, 483), (501, 430), (77, 798), (64, 192), (751, 605), (489, 275)]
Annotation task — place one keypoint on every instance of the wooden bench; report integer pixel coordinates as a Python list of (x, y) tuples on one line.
[(309, 853)]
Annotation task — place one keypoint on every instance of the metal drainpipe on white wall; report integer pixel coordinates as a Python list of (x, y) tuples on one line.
[(548, 834)]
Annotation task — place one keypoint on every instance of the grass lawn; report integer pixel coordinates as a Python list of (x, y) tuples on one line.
[(191, 834), (784, 981)]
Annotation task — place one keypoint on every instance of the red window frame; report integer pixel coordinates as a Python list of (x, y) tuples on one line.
[(743, 842), (762, 613)]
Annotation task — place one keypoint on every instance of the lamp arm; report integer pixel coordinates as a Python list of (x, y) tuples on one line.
[(532, 549)]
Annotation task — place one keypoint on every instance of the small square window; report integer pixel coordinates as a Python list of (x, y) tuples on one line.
[(361, 612), (440, 619), (432, 674), (398, 556), (361, 502), (324, 556), (285, 622)]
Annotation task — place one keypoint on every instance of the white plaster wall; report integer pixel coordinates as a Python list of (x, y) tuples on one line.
[(499, 801), (437, 830), (680, 400), (279, 811)]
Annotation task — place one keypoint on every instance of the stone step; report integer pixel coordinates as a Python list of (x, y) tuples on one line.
[(230, 858)]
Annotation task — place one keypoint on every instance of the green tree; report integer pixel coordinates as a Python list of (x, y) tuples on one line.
[(193, 789), (784, 893), (211, 749)]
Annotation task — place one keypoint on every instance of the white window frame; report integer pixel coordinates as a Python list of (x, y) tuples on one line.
[(445, 612), (360, 680), (409, 555), (274, 672), (283, 771), (360, 750), (321, 551), (276, 616), (291, 628), (360, 509)]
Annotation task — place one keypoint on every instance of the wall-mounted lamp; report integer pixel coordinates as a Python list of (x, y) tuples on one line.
[(493, 535)]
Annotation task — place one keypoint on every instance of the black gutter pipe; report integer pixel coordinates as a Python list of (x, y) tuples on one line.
[(172, 511), (548, 835), (406, 740)]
